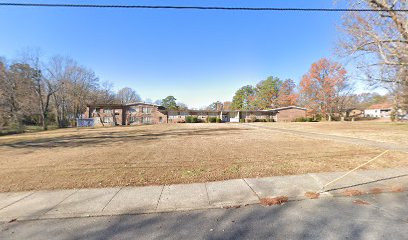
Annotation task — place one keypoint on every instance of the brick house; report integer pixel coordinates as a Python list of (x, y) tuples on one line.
[(289, 114), (126, 114), (144, 113)]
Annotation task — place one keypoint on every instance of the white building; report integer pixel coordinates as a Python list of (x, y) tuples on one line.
[(381, 110)]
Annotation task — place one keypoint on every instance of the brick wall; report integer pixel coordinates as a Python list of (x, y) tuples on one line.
[(137, 115), (115, 116), (289, 115)]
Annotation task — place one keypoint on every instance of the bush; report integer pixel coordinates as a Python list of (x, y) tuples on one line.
[(194, 119), (305, 119), (212, 119), (241, 120), (260, 120), (218, 120), (393, 115), (253, 118), (188, 119)]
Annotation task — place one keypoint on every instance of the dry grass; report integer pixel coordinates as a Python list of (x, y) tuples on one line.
[(167, 154), (378, 131)]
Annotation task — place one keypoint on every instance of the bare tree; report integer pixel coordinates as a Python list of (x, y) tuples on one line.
[(44, 88), (378, 41), (104, 94), (76, 87), (127, 95)]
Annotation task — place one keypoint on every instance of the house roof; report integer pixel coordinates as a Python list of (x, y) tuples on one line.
[(118, 105), (108, 105), (380, 106), (142, 103), (191, 110), (227, 111), (288, 107)]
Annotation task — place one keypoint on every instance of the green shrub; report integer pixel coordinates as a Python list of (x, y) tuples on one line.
[(305, 119), (218, 120), (393, 115), (241, 120), (212, 119), (188, 119), (194, 119), (300, 119)]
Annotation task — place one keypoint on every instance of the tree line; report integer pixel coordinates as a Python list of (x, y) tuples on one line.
[(56, 91), (377, 42), (325, 90)]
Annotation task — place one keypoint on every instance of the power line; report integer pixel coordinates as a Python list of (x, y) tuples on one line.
[(197, 7)]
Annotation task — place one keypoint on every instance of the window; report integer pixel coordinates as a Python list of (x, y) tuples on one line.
[(146, 120), (133, 109), (174, 115), (161, 119), (107, 119), (147, 110), (134, 119), (107, 110)]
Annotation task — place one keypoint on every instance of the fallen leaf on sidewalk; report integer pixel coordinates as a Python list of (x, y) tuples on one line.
[(397, 189), (352, 192), (376, 190), (312, 195), (274, 201), (361, 202)]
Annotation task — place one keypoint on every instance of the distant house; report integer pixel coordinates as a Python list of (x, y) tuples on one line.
[(354, 113), (144, 113), (126, 114), (381, 110)]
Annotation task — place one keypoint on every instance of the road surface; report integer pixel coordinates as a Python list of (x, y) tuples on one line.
[(381, 216)]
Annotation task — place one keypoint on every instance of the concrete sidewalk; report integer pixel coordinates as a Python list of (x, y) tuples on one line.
[(230, 193)]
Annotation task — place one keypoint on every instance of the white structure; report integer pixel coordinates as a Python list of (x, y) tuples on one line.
[(382, 110)]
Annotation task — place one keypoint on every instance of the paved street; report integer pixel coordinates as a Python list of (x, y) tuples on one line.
[(381, 216)]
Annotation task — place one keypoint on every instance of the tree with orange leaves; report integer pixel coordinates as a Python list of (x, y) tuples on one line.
[(323, 87), (287, 95)]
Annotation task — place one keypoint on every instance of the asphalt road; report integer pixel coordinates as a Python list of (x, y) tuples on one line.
[(382, 216)]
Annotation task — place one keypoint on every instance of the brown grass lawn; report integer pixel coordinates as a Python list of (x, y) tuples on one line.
[(167, 154), (371, 130)]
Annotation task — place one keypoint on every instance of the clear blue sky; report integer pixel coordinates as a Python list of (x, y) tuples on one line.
[(196, 56)]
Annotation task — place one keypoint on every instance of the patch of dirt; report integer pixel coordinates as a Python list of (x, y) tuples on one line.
[(352, 192), (274, 201), (312, 195), (361, 202)]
